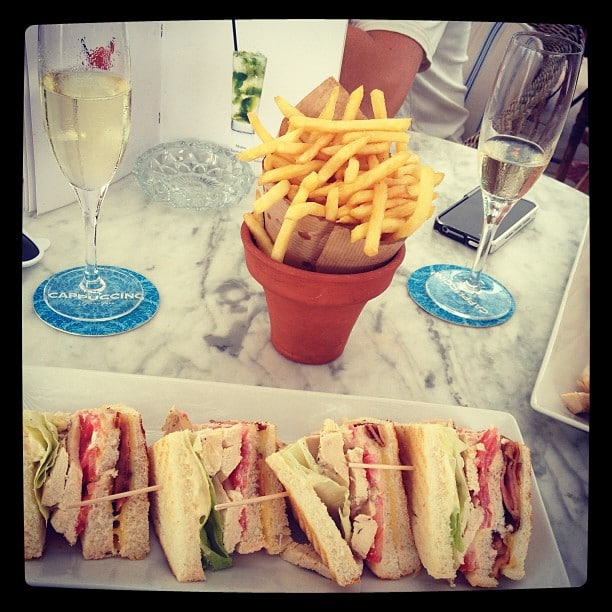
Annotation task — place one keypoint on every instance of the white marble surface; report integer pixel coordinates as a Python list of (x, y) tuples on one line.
[(212, 323)]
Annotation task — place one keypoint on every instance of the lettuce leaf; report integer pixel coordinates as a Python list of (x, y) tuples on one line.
[(44, 444), (332, 494), (214, 554), (459, 516)]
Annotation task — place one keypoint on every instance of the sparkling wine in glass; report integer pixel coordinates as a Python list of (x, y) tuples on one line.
[(522, 122), (85, 85)]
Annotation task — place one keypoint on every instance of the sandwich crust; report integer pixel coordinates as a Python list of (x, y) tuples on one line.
[(131, 522), (34, 523), (275, 522), (432, 495), (518, 540), (174, 510)]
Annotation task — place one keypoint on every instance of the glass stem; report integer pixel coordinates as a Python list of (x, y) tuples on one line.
[(484, 246), (495, 210), (90, 202)]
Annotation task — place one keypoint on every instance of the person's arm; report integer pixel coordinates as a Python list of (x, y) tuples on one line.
[(379, 59)]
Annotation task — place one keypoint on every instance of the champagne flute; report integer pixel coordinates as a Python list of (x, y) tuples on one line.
[(522, 122), (85, 85)]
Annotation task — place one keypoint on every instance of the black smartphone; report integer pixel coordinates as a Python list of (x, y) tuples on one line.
[(463, 220)]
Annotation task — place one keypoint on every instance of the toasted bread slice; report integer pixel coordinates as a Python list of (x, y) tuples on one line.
[(315, 521), (176, 508)]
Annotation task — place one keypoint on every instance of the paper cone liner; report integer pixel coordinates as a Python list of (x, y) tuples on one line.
[(323, 246)]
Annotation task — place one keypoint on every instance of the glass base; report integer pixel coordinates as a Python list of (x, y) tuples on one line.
[(442, 291), (242, 126), (121, 293), (135, 318)]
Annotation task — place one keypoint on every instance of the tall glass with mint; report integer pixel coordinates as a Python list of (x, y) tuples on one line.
[(247, 82)]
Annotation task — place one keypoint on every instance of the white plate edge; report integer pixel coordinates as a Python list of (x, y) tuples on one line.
[(534, 401)]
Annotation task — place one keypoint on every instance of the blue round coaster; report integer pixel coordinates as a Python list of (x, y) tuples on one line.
[(137, 317), (417, 291)]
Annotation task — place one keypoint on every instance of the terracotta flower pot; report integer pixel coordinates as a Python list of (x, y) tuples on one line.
[(312, 314)]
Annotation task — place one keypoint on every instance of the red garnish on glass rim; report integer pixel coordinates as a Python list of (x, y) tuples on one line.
[(100, 57)]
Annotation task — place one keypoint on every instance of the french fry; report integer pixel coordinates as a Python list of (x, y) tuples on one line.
[(290, 171), (331, 204), (282, 239), (309, 182), (397, 207), (259, 233), (404, 180), (389, 226), (403, 210), (293, 189), (295, 212), (373, 161), (286, 108), (374, 148), (366, 195), (272, 146), (340, 157), (276, 193), (370, 177), (267, 163), (352, 170), (353, 104), (359, 197), (330, 105), (372, 239), (258, 127), (375, 136), (277, 160), (350, 125), (423, 208), (311, 152), (379, 106)]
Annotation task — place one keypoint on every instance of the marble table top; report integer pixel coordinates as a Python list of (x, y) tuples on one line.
[(212, 323)]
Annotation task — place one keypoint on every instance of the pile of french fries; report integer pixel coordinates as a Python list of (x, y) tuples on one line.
[(353, 171)]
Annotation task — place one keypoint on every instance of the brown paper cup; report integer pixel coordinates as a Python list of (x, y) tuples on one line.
[(322, 246)]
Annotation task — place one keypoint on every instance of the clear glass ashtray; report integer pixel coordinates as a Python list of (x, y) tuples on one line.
[(193, 174)]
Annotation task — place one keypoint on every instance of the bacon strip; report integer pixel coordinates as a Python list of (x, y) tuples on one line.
[(511, 481)]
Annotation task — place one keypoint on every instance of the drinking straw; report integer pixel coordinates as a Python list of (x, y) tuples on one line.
[(234, 34)]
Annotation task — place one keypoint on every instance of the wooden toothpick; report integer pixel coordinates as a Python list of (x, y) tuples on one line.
[(251, 500), (381, 466), (96, 500)]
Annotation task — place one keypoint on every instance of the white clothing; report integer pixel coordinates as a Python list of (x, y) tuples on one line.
[(435, 101)]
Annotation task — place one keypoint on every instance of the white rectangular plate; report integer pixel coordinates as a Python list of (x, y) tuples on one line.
[(295, 414), (569, 347)]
